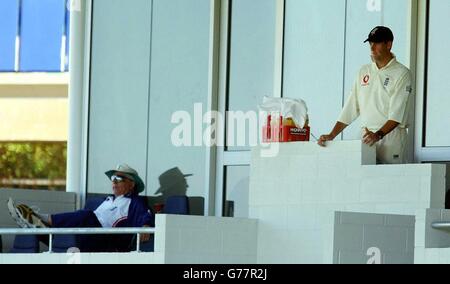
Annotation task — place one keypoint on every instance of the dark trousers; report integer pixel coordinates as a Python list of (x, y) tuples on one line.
[(91, 243), (77, 219)]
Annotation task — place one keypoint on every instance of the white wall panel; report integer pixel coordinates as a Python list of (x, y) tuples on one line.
[(118, 89), (237, 185)]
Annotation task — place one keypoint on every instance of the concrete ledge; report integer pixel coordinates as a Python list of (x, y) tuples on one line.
[(295, 194), (361, 238), (82, 258), (205, 240)]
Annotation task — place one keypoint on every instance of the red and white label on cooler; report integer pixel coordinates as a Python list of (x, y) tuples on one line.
[(284, 133)]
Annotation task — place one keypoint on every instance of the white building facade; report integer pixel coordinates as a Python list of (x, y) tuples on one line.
[(135, 64)]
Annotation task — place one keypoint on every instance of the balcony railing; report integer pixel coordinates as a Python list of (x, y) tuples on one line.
[(441, 225), (78, 231)]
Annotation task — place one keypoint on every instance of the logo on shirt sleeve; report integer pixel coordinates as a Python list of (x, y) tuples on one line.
[(409, 89), (365, 80)]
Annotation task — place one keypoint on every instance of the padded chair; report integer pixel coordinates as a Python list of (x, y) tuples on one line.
[(177, 204), (148, 246), (93, 203), (62, 243), (25, 244)]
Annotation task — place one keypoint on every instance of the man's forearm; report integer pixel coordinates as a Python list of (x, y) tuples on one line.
[(338, 128), (388, 127), (370, 138)]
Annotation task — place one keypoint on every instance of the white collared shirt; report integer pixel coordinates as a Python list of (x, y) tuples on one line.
[(379, 95), (112, 211)]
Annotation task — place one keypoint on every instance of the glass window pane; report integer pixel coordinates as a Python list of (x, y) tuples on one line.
[(252, 57), (9, 21), (178, 85), (313, 62), (41, 34), (438, 100), (237, 191)]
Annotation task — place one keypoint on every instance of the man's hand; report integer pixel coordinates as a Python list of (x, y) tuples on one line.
[(338, 128), (370, 138), (145, 237), (324, 138)]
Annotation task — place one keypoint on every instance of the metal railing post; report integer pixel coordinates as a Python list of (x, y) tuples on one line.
[(138, 244), (50, 243)]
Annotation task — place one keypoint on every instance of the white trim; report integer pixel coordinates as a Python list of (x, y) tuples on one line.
[(62, 55), (36, 78), (86, 99), (411, 54), (420, 63), (419, 153), (213, 91), (79, 59), (242, 158), (279, 45), (17, 54), (223, 53)]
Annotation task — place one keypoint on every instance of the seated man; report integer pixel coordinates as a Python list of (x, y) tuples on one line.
[(122, 209)]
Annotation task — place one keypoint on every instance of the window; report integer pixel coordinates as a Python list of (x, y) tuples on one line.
[(33, 93)]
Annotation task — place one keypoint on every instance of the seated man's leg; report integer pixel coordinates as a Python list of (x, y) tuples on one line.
[(77, 219), (83, 219)]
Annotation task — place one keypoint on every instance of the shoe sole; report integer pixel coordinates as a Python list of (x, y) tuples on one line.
[(16, 215), (32, 220)]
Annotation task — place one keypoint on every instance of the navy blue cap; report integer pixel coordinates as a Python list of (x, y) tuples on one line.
[(380, 34)]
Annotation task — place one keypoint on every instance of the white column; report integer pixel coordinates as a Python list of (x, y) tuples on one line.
[(78, 97)]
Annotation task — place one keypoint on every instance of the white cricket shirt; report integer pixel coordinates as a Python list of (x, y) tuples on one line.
[(112, 211), (379, 95)]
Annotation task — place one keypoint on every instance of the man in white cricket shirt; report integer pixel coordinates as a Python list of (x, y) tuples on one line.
[(380, 96)]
